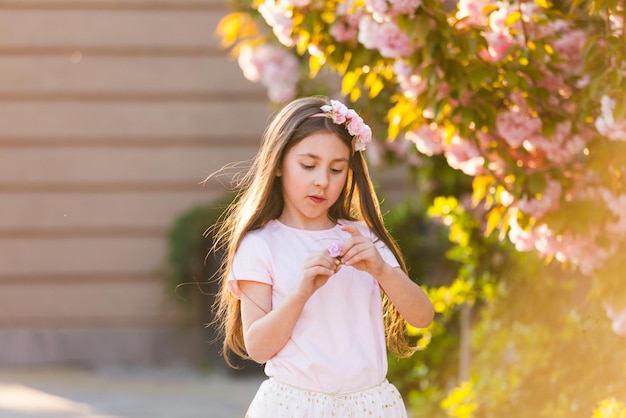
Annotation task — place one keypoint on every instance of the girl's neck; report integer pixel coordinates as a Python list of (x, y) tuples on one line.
[(308, 226)]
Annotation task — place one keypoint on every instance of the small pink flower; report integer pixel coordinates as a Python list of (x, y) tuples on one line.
[(342, 115), (334, 249), (618, 318)]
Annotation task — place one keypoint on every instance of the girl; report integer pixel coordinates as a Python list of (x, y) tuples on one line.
[(312, 280)]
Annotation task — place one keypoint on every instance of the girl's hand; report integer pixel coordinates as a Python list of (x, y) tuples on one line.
[(317, 269), (361, 253)]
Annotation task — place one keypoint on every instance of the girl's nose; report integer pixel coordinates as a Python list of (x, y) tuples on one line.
[(321, 179)]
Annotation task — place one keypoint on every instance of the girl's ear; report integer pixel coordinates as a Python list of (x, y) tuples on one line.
[(279, 172)]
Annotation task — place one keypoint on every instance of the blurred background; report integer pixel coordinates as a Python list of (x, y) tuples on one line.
[(499, 159), (112, 113)]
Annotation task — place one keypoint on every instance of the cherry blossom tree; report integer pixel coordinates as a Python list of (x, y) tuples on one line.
[(525, 98)]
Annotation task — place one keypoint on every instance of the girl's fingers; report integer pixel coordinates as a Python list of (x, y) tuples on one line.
[(352, 230), (357, 252)]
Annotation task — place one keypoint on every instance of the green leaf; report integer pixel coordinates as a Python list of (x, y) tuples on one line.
[(537, 183), (421, 25)]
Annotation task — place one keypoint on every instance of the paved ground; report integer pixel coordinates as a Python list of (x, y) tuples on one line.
[(116, 392)]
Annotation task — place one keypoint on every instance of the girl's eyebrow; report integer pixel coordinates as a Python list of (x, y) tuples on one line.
[(317, 157)]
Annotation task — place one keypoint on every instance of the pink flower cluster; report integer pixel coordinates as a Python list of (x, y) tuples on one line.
[(427, 139), (346, 28), (514, 126), (384, 9), (342, 115), (470, 13), (278, 17), (410, 82), (274, 67), (465, 156), (539, 206), (617, 317), (606, 124), (577, 249), (617, 207), (385, 37)]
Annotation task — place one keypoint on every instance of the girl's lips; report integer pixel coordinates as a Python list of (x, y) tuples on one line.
[(316, 199)]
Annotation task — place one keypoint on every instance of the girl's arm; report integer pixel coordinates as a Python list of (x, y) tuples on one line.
[(407, 296), (267, 328)]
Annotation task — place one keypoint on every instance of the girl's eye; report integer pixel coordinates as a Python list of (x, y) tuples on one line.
[(308, 167), (336, 170)]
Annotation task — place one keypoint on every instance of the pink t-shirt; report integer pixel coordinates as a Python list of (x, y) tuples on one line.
[(338, 344)]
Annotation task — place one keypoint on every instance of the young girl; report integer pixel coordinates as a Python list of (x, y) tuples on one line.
[(313, 284)]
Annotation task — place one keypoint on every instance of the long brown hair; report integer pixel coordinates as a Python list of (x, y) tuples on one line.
[(259, 200)]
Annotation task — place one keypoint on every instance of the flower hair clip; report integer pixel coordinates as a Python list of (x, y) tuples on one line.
[(340, 114)]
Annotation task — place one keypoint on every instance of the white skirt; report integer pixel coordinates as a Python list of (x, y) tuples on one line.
[(279, 400)]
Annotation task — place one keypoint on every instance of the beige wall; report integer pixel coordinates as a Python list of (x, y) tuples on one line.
[(111, 113)]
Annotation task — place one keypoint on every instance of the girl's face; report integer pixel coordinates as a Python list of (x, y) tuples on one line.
[(313, 174)]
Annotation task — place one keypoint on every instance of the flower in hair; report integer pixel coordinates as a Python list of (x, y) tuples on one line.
[(342, 115)]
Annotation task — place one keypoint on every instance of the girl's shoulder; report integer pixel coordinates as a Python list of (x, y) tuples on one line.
[(265, 234)]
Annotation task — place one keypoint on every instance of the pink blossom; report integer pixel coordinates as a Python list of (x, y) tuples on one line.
[(497, 18), (521, 238), (274, 67), (606, 124), (410, 82), (506, 198), (387, 38), (334, 249), (356, 127), (407, 7), (341, 114), (368, 32), (569, 46), (393, 43), (296, 3), (617, 206), (382, 10), (515, 127), (550, 81), (278, 17), (345, 8), (617, 23), (463, 155), (539, 206), (427, 139), (617, 317), (470, 13), (337, 111), (498, 45), (562, 148), (581, 250), (378, 8), (346, 28)]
